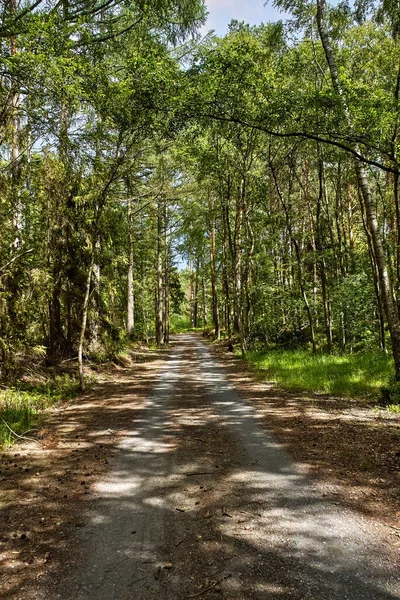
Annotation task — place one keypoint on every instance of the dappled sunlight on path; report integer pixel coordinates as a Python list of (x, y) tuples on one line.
[(202, 501)]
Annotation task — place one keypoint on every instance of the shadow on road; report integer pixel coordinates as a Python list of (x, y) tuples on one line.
[(202, 502)]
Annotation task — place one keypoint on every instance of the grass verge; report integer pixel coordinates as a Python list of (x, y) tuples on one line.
[(352, 375), (21, 406)]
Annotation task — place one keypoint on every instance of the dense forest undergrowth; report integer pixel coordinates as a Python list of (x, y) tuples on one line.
[(153, 180)]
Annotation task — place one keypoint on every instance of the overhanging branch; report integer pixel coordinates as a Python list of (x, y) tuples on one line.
[(299, 134)]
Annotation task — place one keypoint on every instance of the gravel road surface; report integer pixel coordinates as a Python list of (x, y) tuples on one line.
[(201, 502)]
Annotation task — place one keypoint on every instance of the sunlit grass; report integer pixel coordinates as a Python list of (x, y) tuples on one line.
[(182, 324), (350, 375), (21, 407)]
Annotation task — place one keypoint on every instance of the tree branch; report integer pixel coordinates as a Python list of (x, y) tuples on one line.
[(298, 134), (3, 268)]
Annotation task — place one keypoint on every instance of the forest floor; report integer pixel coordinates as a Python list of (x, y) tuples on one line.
[(351, 451), (351, 446)]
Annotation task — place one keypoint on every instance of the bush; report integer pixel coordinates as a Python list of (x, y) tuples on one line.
[(390, 394)]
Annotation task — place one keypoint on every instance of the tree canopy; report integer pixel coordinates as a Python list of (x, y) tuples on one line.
[(250, 182)]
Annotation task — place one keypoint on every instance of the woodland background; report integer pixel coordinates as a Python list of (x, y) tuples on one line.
[(152, 180)]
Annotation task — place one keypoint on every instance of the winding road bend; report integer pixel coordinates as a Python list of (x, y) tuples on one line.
[(202, 502)]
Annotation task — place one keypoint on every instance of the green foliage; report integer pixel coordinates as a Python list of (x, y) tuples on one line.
[(243, 139), (83, 119), (21, 407), (390, 395), (114, 340), (59, 387), (176, 292), (352, 375), (179, 323)]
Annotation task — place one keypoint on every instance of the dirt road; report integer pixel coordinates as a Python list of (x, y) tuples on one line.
[(203, 503)]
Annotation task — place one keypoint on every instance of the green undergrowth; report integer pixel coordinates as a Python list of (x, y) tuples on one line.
[(350, 375), (22, 405), (179, 323)]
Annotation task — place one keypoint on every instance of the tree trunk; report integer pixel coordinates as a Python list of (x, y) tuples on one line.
[(166, 277), (95, 322), (390, 308), (204, 298), (396, 183), (166, 307), (159, 286), (56, 334), (213, 272), (225, 261), (237, 262), (196, 292), (83, 326), (130, 321), (375, 277), (298, 262), (191, 291), (319, 240), (15, 147)]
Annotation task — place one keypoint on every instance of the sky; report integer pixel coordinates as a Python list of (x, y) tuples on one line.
[(250, 11)]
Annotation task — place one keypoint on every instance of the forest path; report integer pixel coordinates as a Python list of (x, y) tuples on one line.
[(202, 502)]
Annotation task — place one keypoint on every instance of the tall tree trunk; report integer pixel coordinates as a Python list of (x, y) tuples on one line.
[(390, 308), (166, 307), (196, 292), (204, 298), (159, 286), (56, 342), (83, 326), (95, 322), (166, 277), (191, 291), (299, 263), (397, 208), (56, 334), (15, 147), (130, 321), (396, 182), (342, 264), (237, 261), (238, 266), (375, 277), (248, 275), (213, 272), (320, 231), (226, 260)]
